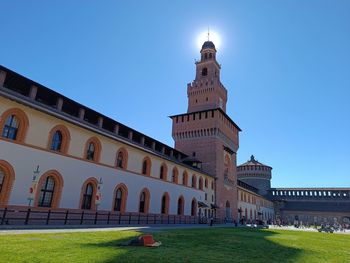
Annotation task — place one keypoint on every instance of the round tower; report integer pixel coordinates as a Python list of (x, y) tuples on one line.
[(255, 174)]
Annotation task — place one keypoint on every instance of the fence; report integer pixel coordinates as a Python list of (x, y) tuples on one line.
[(32, 216)]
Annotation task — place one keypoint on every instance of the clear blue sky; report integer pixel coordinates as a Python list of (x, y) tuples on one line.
[(286, 65)]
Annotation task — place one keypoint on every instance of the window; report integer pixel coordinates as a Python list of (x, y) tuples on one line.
[(194, 207), (49, 190), (93, 149), (122, 157), (204, 72), (174, 177), (11, 128), (118, 200), (194, 181), (13, 124), (200, 183), (144, 201), (212, 185), (46, 192), (206, 183), (56, 142), (59, 138), (163, 172), (165, 204), (87, 196), (184, 178), (146, 166), (180, 206), (90, 151)]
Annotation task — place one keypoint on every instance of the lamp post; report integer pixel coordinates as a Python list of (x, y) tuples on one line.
[(32, 189)]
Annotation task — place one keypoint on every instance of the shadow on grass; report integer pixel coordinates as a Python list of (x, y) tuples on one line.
[(206, 245)]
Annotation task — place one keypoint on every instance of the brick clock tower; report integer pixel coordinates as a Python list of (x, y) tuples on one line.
[(208, 134)]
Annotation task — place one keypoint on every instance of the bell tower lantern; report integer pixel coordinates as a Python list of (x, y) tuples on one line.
[(206, 91)]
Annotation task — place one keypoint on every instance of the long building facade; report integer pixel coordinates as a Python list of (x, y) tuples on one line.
[(56, 153)]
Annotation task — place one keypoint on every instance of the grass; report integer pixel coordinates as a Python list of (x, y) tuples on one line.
[(187, 245)]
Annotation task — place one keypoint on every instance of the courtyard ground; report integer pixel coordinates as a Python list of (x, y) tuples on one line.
[(178, 245)]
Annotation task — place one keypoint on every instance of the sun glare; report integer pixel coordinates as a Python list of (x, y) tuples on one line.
[(213, 36)]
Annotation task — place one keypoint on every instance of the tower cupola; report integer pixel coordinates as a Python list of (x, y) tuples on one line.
[(206, 91)]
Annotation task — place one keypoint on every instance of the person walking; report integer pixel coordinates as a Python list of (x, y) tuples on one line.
[(211, 221)]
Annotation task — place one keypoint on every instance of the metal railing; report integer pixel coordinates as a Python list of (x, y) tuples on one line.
[(33, 216)]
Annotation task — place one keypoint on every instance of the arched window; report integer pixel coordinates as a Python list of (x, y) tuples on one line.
[(49, 187), (146, 166), (184, 178), (163, 172), (11, 128), (165, 204), (93, 149), (122, 159), (204, 71), (46, 192), (200, 183), (88, 196), (144, 201), (174, 176), (194, 181), (212, 185), (7, 176), (59, 138), (180, 206), (194, 207), (206, 183), (121, 193), (13, 124), (56, 142)]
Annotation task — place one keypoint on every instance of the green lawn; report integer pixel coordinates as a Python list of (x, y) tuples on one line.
[(187, 245)]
